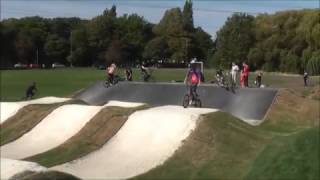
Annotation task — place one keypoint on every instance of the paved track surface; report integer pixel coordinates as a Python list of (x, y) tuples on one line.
[(246, 103)]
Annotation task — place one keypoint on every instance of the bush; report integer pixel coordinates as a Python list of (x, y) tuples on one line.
[(313, 66)]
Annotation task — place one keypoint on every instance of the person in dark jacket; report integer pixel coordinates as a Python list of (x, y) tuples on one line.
[(31, 90)]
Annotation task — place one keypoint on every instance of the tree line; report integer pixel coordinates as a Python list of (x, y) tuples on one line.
[(287, 41), (125, 40)]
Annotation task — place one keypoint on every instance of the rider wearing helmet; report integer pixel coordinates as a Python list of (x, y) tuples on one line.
[(193, 80), (111, 71)]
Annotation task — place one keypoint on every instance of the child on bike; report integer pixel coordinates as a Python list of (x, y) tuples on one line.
[(110, 71), (220, 77), (192, 79)]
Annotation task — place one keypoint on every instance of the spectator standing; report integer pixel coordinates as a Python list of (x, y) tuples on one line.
[(234, 71), (245, 74), (242, 79), (305, 78)]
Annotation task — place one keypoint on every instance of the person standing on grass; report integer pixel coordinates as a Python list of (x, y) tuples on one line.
[(110, 71), (234, 71), (31, 90), (245, 74), (305, 78)]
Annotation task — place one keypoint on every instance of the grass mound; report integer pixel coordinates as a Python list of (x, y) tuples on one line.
[(292, 111), (91, 137), (27, 118), (289, 157), (219, 141), (46, 175), (224, 147)]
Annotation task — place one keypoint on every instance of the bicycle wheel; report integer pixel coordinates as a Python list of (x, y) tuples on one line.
[(198, 103), (186, 100), (106, 84)]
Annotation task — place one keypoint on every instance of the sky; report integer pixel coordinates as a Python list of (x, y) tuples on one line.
[(209, 14)]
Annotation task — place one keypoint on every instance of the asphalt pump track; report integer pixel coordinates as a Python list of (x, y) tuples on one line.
[(244, 103)]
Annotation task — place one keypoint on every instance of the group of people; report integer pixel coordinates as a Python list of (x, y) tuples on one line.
[(244, 76), (111, 70)]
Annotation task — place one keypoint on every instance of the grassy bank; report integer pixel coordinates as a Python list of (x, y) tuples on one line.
[(285, 146), (293, 157)]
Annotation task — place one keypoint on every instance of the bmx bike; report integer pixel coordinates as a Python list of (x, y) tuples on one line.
[(191, 99), (147, 76), (115, 81)]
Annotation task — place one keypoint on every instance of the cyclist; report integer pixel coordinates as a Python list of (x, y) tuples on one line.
[(145, 72), (111, 71), (192, 79), (31, 90), (220, 77)]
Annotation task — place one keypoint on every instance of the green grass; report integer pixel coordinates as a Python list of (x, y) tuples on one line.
[(60, 82), (293, 157), (221, 147), (43, 175), (66, 82), (285, 146)]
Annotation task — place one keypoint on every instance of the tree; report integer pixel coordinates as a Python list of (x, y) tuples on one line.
[(187, 14), (157, 49), (57, 49), (117, 53), (255, 58), (101, 30), (235, 39), (313, 66), (203, 45)]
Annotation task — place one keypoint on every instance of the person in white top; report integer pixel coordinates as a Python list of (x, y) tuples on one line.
[(234, 71)]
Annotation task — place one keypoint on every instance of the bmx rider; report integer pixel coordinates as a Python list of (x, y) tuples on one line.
[(110, 71), (31, 90), (192, 79)]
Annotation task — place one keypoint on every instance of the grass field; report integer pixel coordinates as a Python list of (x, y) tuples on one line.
[(66, 82)]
